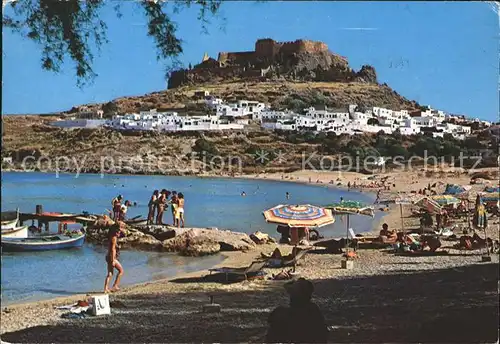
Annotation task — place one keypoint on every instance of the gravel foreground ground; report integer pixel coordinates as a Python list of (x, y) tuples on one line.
[(386, 298)]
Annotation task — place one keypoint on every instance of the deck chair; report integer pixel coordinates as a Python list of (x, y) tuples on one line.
[(294, 260), (244, 271)]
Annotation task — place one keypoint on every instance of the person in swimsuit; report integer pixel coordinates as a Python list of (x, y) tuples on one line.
[(180, 210), (152, 205), (174, 202), (123, 210), (112, 258), (162, 202), (116, 206)]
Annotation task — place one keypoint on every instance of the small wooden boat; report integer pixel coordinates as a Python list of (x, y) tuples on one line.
[(16, 232), (136, 222), (9, 219), (43, 243)]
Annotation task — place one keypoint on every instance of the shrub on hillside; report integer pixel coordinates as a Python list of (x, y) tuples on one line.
[(202, 145)]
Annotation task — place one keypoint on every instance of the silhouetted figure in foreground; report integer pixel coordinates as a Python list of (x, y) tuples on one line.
[(302, 321)]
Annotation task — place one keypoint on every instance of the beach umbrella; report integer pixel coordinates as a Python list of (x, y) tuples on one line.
[(490, 189), (429, 204), (299, 215), (490, 197), (443, 200), (454, 189), (350, 207)]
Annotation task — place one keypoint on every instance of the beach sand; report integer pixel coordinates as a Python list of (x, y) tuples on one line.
[(385, 298)]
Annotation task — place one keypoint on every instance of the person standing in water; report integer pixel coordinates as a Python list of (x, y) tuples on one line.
[(152, 205), (287, 195), (180, 210), (112, 258), (162, 202), (116, 207), (174, 203)]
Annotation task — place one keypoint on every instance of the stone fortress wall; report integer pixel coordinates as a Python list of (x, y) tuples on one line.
[(268, 48)]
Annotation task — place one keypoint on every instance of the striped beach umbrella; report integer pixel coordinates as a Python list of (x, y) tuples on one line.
[(299, 215), (455, 189), (491, 189), (429, 204), (490, 197), (445, 199)]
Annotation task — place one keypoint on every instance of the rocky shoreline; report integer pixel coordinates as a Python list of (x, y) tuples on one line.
[(184, 241)]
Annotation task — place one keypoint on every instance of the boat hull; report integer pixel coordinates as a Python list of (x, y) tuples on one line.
[(17, 232), (9, 219), (8, 225), (42, 244), (136, 222)]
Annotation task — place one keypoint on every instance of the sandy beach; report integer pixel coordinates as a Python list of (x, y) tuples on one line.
[(385, 298)]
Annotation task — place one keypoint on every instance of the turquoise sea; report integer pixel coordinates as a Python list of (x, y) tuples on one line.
[(210, 202)]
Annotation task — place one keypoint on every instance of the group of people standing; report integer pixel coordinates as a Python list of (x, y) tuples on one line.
[(119, 210), (159, 202)]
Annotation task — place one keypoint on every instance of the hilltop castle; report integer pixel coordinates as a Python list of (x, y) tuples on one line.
[(298, 60), (268, 49)]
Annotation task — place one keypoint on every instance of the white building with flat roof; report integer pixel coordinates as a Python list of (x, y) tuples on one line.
[(271, 115), (241, 108)]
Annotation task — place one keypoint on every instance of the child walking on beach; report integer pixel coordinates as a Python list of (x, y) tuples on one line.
[(112, 258)]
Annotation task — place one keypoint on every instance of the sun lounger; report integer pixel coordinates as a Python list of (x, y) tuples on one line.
[(294, 260), (290, 260), (254, 268), (374, 245)]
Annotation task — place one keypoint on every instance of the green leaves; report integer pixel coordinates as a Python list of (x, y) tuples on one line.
[(74, 29)]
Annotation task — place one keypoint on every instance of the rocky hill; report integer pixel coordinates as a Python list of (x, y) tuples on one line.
[(293, 75), (301, 60), (280, 94)]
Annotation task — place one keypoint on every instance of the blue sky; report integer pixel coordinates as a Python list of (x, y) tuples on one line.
[(444, 54)]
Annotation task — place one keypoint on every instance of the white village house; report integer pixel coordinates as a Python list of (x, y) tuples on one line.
[(235, 116)]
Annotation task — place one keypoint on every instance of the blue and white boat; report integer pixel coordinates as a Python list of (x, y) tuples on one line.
[(43, 243)]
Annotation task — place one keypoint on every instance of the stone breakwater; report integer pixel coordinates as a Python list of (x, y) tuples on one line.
[(185, 241)]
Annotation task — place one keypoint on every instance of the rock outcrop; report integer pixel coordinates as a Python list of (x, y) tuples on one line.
[(132, 238), (196, 241), (261, 238), (301, 60), (366, 74), (185, 241), (140, 241)]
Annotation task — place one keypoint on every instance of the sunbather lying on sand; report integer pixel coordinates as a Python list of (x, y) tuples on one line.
[(278, 255)]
